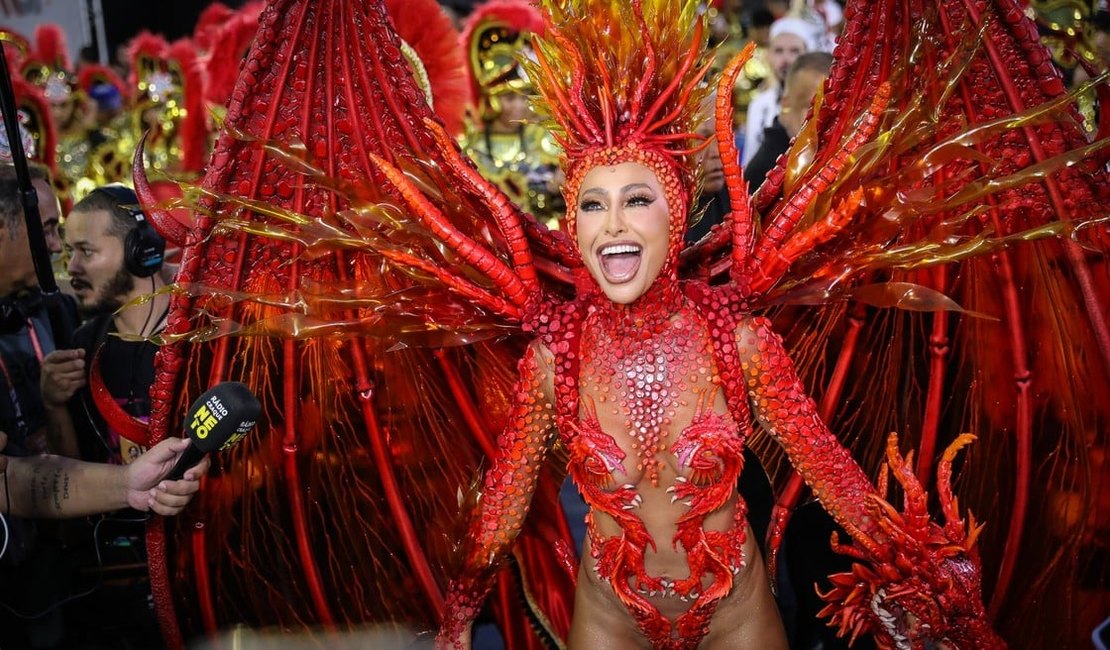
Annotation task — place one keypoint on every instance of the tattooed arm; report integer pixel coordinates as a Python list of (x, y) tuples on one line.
[(56, 487)]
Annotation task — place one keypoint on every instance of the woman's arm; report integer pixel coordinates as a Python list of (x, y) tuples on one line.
[(780, 403), (920, 586), (507, 490)]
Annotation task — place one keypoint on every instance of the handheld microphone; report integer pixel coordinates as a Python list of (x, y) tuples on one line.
[(218, 419)]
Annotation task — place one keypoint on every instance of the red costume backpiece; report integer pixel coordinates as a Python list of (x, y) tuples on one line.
[(339, 229)]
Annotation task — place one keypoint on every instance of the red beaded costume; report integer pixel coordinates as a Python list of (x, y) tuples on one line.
[(340, 230)]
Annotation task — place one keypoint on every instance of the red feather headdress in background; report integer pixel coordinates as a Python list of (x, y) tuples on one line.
[(424, 26)]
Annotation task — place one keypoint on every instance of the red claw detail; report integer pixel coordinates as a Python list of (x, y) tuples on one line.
[(920, 584), (172, 230)]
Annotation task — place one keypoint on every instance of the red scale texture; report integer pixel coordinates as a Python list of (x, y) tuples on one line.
[(322, 278)]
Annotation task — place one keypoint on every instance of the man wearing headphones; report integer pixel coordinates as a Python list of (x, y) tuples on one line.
[(115, 256)]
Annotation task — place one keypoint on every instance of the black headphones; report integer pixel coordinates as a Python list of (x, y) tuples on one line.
[(144, 249)]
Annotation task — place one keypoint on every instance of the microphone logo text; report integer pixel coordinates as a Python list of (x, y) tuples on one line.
[(207, 417)]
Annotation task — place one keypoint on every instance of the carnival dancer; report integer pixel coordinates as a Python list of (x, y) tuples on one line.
[(650, 382), (340, 227)]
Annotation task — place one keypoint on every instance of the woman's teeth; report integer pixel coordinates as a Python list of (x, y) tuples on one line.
[(617, 249), (619, 262)]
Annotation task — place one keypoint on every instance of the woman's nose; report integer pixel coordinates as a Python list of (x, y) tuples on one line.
[(614, 221)]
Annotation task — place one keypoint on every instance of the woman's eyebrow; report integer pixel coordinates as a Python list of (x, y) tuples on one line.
[(635, 186), (594, 190)]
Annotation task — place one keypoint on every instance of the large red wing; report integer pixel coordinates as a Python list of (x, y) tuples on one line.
[(975, 149), (340, 509)]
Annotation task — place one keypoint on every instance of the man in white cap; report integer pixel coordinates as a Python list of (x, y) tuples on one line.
[(825, 18), (790, 38)]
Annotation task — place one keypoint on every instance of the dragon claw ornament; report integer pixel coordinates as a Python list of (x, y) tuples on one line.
[(341, 234)]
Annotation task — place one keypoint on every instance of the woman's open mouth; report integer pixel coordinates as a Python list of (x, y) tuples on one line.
[(619, 261)]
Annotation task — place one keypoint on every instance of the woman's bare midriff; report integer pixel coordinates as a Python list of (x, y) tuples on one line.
[(747, 618)]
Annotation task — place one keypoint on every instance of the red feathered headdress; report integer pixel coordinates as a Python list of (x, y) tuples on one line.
[(209, 25), (91, 74), (168, 74), (424, 26), (228, 44), (50, 46), (47, 65), (194, 132), (16, 47), (37, 121), (616, 92), (146, 51)]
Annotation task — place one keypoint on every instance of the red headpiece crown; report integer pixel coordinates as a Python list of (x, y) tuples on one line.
[(621, 82)]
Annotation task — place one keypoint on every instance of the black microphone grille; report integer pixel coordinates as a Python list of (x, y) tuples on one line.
[(222, 415)]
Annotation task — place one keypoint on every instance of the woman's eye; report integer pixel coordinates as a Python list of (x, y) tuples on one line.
[(590, 206), (639, 201)]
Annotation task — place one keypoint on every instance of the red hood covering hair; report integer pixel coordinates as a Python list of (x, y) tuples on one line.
[(428, 30), (91, 74)]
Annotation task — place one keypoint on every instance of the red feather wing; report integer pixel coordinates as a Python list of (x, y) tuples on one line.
[(337, 511)]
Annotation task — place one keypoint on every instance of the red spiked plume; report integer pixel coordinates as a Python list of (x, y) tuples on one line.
[(50, 46), (424, 26)]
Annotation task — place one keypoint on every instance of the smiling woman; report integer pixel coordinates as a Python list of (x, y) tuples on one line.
[(651, 381), (622, 226)]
